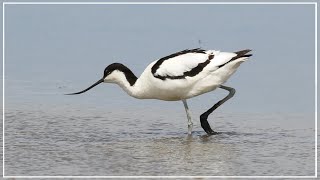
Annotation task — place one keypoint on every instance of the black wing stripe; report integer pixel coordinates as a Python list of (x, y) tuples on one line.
[(156, 66), (191, 73)]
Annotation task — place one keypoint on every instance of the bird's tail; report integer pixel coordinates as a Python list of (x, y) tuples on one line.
[(241, 54)]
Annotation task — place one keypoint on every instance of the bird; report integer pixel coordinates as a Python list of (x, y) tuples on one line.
[(179, 77)]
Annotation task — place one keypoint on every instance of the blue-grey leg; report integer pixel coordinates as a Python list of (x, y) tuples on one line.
[(203, 118), (190, 123)]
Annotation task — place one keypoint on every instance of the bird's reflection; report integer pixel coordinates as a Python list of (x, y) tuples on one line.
[(191, 151)]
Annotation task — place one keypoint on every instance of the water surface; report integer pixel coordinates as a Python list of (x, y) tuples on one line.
[(136, 141)]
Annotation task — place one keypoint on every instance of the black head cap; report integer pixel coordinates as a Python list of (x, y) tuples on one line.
[(114, 66), (122, 68), (108, 70)]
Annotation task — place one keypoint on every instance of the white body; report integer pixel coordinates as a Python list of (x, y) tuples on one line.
[(211, 77)]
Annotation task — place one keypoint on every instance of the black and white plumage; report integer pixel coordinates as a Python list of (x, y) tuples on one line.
[(179, 76), (181, 64)]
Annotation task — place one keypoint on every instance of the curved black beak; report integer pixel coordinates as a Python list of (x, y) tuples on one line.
[(98, 82)]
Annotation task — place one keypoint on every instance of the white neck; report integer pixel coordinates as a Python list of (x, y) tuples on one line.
[(134, 90)]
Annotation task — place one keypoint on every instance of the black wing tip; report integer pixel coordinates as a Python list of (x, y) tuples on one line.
[(247, 55), (242, 52)]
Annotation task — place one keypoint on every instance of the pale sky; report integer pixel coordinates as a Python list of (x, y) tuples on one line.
[(72, 44)]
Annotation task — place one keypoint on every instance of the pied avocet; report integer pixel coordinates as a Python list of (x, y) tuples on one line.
[(179, 76)]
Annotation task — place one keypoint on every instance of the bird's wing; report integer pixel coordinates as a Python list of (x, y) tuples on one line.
[(181, 64), (222, 58)]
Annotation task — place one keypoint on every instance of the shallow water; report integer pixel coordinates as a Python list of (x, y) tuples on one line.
[(93, 141)]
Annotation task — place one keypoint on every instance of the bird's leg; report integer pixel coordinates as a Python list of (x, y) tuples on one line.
[(190, 123), (203, 118)]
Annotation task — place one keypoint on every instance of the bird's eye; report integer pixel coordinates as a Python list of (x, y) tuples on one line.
[(106, 73)]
